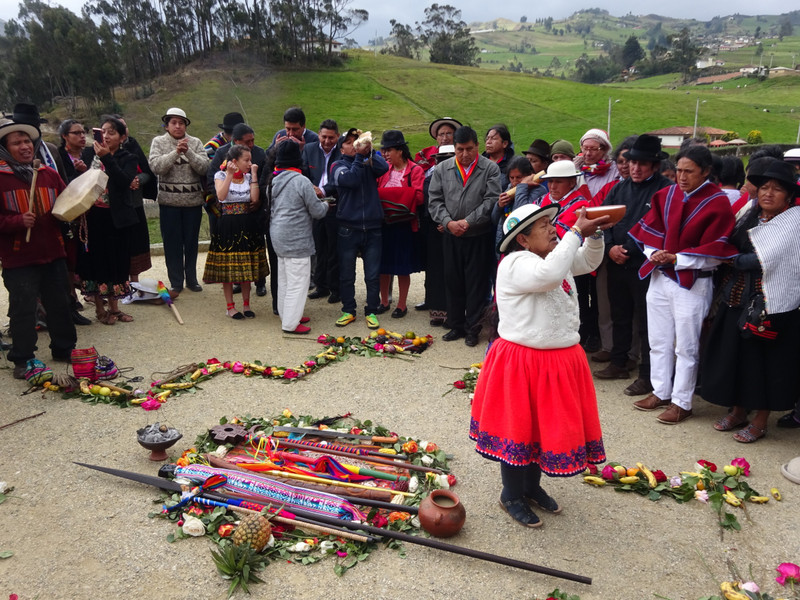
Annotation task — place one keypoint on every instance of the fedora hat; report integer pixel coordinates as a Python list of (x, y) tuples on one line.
[(539, 148), (434, 128), (175, 112), (646, 147), (392, 138), (523, 216), (445, 152), (28, 114), (561, 168), (230, 120), (10, 126), (780, 171)]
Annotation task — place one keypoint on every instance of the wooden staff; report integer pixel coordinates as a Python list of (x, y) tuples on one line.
[(32, 194)]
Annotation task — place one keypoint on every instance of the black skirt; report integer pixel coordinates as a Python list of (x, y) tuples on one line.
[(753, 373), (237, 251)]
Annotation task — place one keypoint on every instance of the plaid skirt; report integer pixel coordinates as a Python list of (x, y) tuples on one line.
[(237, 252)]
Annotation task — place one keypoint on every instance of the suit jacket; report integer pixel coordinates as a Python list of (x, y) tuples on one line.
[(314, 162)]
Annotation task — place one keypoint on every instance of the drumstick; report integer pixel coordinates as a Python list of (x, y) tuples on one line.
[(36, 164)]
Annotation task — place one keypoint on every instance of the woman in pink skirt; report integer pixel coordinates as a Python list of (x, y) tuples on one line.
[(535, 407)]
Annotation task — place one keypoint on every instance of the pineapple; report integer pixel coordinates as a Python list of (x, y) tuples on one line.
[(238, 564), (253, 531)]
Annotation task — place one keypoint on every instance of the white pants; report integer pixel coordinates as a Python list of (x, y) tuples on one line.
[(674, 320), (294, 275)]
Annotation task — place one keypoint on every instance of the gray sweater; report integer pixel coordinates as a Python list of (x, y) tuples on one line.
[(180, 176), (294, 205)]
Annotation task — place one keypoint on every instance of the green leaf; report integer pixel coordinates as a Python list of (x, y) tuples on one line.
[(654, 496), (6, 554), (2, 498), (171, 538)]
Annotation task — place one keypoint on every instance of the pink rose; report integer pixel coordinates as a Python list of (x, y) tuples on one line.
[(788, 573), (212, 361), (743, 465), (750, 586), (379, 520), (310, 363), (290, 374), (609, 473), (151, 404), (238, 367)]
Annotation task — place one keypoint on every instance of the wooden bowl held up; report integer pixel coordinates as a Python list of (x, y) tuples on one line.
[(615, 211)]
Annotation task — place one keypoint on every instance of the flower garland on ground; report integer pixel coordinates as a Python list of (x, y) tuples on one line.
[(379, 343), (468, 381), (296, 546), (705, 484)]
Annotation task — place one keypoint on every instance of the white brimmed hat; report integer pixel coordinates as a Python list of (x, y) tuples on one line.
[(792, 155), (561, 168), (175, 112), (523, 216), (8, 126)]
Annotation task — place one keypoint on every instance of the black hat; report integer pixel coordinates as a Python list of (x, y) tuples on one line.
[(646, 147), (27, 114), (230, 120), (780, 171), (288, 155), (353, 132), (434, 127), (392, 138), (539, 148)]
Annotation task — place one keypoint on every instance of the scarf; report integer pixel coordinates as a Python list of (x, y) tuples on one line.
[(282, 169), (22, 171), (464, 174), (599, 168)]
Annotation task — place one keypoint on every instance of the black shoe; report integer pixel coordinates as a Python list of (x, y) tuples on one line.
[(318, 294), (195, 287), (382, 308), (237, 288), (592, 344), (471, 340), (261, 290), (398, 313), (275, 312), (79, 319), (65, 358), (334, 298), (789, 421), (640, 387), (612, 371), (19, 371), (421, 306), (453, 335)]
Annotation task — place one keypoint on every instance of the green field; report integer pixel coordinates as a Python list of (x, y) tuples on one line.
[(382, 92)]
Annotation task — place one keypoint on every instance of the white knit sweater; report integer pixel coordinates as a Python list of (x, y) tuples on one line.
[(534, 309), (180, 176)]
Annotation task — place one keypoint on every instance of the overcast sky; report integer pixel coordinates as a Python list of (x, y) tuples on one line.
[(476, 10)]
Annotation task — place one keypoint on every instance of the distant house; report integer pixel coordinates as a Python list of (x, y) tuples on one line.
[(672, 137)]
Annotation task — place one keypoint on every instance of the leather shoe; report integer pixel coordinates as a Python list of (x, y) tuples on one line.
[(674, 415), (602, 356), (334, 298), (471, 340), (421, 306), (453, 335), (399, 313), (592, 344), (261, 290), (195, 287), (640, 387), (652, 402), (382, 308), (789, 421), (79, 319), (613, 372), (317, 293)]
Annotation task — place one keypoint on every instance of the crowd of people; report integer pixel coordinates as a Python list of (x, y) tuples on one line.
[(689, 288)]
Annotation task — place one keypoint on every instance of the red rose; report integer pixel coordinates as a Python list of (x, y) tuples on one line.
[(708, 465), (659, 475), (225, 530), (459, 385), (379, 520), (451, 480)]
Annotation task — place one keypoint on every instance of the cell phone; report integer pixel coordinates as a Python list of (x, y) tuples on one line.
[(98, 134)]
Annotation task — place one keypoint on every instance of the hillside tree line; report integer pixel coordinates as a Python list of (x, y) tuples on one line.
[(50, 52)]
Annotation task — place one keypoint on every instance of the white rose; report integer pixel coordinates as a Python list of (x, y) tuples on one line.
[(193, 526), (299, 547), (427, 460), (325, 546), (413, 484), (220, 452), (3, 487), (442, 481)]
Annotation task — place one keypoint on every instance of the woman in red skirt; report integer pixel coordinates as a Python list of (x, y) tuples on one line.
[(535, 407)]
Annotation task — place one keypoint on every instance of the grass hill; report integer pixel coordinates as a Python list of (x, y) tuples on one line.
[(384, 92)]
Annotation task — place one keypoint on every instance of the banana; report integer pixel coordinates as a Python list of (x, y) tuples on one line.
[(277, 372), (759, 499), (776, 494), (84, 383), (731, 499), (691, 474), (730, 592), (629, 480), (196, 375), (594, 480), (651, 479), (177, 386)]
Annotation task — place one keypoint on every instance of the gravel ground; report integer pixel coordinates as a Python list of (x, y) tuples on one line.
[(76, 533)]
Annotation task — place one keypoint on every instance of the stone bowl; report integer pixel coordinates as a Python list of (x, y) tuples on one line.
[(158, 448)]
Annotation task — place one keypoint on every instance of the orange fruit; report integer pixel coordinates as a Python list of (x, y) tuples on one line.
[(417, 341), (632, 471), (700, 485), (381, 331), (340, 339)]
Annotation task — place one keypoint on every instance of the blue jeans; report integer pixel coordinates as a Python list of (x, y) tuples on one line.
[(349, 243), (180, 230)]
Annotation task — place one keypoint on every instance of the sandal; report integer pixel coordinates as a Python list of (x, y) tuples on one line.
[(121, 316), (749, 434), (543, 501), (106, 318), (729, 422), (519, 510)]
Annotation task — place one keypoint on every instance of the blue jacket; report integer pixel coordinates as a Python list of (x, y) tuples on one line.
[(359, 205)]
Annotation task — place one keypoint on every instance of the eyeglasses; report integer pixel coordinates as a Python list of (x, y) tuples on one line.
[(591, 148)]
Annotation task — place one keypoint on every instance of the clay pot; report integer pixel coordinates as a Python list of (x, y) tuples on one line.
[(441, 514)]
